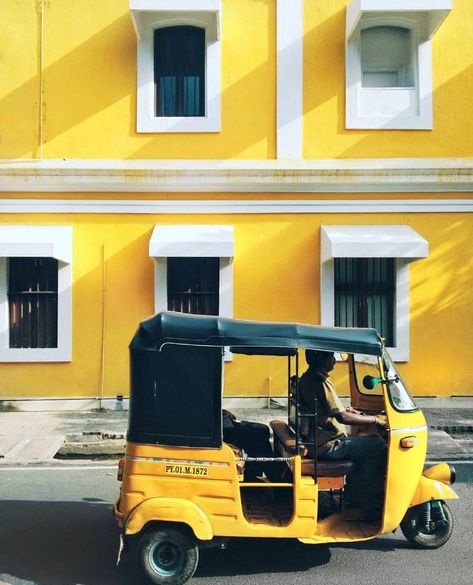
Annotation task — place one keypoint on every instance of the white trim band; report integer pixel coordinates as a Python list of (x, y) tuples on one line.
[(408, 430), (238, 176), (234, 207)]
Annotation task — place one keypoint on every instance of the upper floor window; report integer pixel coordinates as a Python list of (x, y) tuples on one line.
[(179, 71), (179, 65), (389, 63), (193, 285)]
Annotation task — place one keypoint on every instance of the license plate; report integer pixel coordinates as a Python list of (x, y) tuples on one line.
[(193, 470)]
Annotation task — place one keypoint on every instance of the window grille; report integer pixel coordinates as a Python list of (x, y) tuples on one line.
[(193, 285), (365, 294), (33, 302)]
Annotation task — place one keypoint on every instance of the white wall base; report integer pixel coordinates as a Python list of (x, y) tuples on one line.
[(229, 402), (62, 404)]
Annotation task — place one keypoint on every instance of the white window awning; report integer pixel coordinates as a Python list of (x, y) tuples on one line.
[(204, 13), (372, 241), (36, 241), (192, 241), (428, 13)]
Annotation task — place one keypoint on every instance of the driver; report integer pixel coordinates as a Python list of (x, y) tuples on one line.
[(365, 485)]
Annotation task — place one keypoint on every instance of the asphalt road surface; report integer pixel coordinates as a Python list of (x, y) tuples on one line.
[(56, 528)]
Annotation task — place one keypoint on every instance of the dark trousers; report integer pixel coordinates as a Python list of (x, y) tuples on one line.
[(365, 484)]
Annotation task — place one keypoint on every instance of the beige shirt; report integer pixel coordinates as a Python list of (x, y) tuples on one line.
[(313, 385)]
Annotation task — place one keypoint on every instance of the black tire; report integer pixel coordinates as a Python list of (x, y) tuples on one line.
[(168, 555), (413, 529)]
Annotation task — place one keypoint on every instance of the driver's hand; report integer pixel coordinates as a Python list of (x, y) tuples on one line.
[(351, 409)]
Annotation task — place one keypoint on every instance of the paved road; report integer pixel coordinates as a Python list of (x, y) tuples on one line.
[(56, 528)]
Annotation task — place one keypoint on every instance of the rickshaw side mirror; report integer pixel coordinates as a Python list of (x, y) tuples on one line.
[(370, 382)]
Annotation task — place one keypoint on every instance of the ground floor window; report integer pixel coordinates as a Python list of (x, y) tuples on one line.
[(364, 279), (365, 294), (32, 302), (193, 285), (36, 293)]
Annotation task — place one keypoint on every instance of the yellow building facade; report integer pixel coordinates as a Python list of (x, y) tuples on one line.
[(309, 140)]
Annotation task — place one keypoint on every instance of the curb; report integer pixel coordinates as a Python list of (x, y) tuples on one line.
[(456, 429)]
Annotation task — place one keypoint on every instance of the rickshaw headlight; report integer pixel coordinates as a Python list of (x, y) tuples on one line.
[(443, 472)]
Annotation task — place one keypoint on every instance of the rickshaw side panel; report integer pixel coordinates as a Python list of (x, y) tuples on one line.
[(209, 480), (405, 465)]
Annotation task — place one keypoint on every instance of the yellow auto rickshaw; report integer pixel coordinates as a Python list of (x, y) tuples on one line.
[(183, 488)]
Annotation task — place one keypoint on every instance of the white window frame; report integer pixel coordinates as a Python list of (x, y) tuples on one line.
[(193, 241), (399, 242), (38, 241), (405, 108), (149, 15)]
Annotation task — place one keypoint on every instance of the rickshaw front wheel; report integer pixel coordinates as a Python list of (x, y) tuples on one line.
[(427, 526), (168, 555)]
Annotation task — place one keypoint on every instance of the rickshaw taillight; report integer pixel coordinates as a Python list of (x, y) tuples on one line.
[(121, 466)]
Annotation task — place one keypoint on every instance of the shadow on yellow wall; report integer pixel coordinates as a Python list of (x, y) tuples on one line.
[(325, 135), (98, 76)]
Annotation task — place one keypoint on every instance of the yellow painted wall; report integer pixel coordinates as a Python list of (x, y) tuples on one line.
[(89, 76), (324, 91), (89, 86), (276, 277)]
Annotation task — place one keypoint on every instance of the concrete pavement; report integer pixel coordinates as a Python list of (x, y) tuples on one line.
[(42, 437)]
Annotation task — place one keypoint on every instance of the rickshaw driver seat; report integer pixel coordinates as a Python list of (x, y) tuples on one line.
[(285, 443)]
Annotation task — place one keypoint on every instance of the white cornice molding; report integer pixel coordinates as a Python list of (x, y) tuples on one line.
[(229, 207), (239, 176)]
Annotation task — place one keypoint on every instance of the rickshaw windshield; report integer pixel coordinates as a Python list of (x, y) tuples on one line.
[(367, 365), (398, 393)]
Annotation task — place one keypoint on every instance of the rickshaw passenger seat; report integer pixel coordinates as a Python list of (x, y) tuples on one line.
[(285, 443)]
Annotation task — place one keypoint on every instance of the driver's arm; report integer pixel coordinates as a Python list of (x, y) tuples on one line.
[(349, 417)]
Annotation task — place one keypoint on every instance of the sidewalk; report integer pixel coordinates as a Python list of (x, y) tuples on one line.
[(42, 437)]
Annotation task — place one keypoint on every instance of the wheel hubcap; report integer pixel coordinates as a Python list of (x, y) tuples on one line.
[(166, 558)]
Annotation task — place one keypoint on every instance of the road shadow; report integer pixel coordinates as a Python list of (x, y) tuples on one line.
[(261, 555), (58, 543), (65, 543)]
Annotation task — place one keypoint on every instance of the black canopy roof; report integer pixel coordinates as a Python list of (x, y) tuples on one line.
[(251, 337)]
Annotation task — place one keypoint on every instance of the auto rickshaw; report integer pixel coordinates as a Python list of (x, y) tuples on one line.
[(183, 488)]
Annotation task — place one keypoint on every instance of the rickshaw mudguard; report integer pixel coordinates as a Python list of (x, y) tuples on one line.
[(432, 489), (169, 510)]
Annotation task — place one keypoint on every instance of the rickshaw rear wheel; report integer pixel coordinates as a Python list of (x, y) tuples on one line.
[(168, 555), (414, 529)]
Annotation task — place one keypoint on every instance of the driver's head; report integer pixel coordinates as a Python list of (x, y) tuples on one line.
[(320, 360)]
